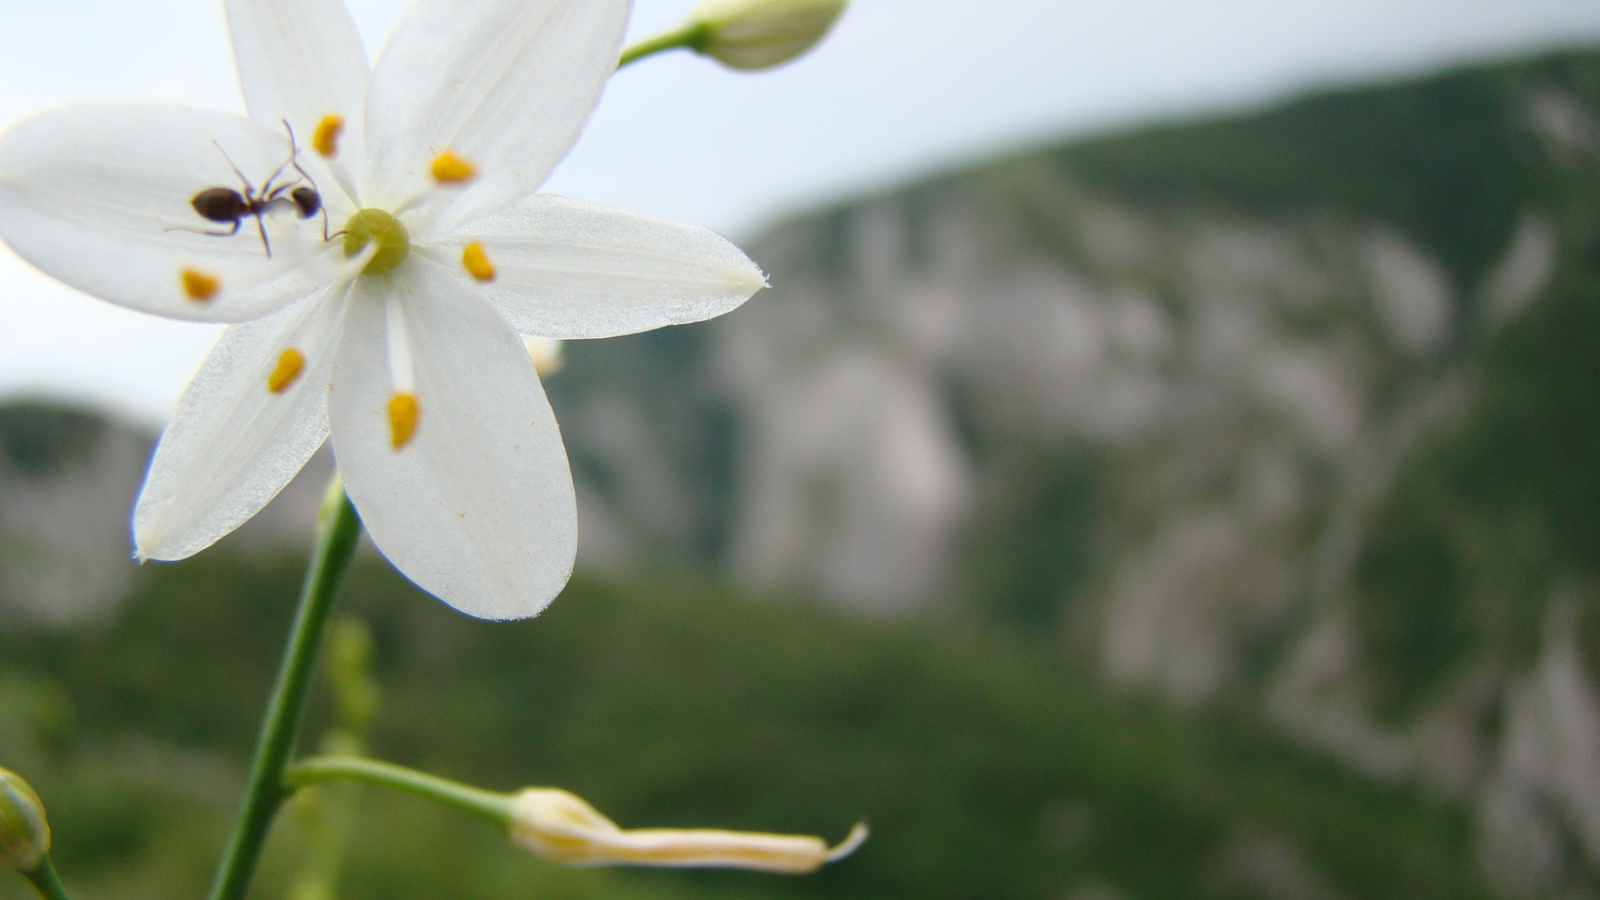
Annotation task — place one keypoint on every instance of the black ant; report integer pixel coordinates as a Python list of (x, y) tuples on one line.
[(225, 205)]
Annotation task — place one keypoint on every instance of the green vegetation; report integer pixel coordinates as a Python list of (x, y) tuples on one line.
[(985, 770)]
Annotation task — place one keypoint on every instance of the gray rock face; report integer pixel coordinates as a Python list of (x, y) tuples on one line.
[(67, 481)]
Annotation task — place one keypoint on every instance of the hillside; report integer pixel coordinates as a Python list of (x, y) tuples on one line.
[(985, 768)]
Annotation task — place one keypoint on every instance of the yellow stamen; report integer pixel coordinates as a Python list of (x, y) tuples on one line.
[(403, 413), (290, 364), (477, 262), (326, 138), (449, 168), (200, 286)]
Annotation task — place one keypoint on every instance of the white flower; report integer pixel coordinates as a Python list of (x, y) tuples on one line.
[(406, 352), (563, 828)]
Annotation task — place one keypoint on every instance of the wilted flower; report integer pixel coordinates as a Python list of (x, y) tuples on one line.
[(759, 34), (563, 828), (24, 833), (382, 272)]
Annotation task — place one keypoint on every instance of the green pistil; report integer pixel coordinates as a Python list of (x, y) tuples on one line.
[(377, 225)]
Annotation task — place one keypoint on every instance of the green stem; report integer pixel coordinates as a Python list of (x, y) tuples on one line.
[(316, 769), (46, 882), (338, 529), (690, 36)]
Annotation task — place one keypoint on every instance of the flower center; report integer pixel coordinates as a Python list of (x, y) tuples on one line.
[(377, 225)]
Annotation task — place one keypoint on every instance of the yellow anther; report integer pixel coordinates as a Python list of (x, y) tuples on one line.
[(403, 413), (477, 262), (200, 286), (290, 364), (449, 168), (326, 138)]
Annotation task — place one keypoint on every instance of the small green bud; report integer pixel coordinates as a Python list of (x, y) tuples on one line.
[(759, 34), (24, 833)]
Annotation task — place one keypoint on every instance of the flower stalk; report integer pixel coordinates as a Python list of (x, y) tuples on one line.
[(338, 529), (688, 36), (46, 882)]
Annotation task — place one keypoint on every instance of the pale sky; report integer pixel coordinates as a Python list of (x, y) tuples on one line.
[(901, 89)]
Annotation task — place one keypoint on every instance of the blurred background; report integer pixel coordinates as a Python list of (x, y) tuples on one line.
[(1166, 465)]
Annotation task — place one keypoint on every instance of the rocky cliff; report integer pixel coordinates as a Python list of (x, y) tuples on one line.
[(1297, 411)]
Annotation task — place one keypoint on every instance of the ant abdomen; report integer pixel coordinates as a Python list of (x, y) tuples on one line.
[(220, 204)]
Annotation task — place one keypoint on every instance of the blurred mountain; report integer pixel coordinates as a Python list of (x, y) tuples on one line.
[(1298, 411), (68, 481), (1295, 414)]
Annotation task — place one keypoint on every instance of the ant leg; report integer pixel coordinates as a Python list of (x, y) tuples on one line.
[(294, 151), (262, 226), (206, 233), (268, 191), (235, 230)]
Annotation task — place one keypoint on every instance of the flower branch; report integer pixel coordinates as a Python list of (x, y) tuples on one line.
[(320, 769)]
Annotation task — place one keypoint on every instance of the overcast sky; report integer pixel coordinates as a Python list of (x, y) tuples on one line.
[(902, 88)]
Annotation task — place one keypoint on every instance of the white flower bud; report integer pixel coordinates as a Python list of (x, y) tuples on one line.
[(24, 833), (759, 34), (563, 828)]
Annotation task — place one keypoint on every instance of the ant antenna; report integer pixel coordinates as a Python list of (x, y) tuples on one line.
[(294, 160), (249, 192)]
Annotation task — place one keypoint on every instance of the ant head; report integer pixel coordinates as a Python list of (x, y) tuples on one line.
[(306, 201)]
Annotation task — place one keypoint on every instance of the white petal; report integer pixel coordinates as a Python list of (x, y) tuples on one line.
[(233, 443), (301, 61), (478, 508), (569, 269), (99, 197), (504, 84)]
